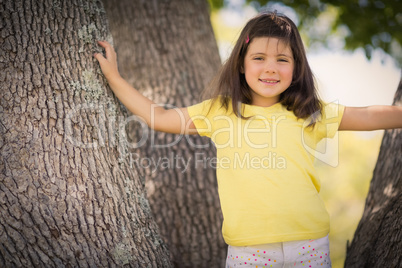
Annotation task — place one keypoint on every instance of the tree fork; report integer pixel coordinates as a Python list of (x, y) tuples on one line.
[(167, 50)]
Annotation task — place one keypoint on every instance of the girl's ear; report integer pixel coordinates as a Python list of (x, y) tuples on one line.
[(241, 70)]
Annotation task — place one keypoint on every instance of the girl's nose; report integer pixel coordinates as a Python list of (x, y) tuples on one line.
[(270, 67)]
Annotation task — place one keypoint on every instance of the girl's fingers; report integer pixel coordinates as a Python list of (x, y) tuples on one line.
[(108, 49), (104, 44), (108, 64), (99, 57)]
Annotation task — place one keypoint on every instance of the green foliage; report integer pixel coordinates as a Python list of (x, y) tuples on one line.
[(372, 24), (216, 4), (369, 24)]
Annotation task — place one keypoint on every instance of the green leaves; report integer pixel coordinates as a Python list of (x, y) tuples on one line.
[(367, 24)]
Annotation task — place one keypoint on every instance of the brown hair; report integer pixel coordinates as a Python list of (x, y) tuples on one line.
[(301, 97)]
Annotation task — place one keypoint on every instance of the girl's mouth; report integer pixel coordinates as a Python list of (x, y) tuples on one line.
[(267, 81)]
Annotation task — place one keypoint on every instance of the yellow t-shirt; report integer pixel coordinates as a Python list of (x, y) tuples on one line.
[(267, 183)]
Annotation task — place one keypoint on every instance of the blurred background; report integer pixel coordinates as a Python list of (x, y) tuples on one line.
[(349, 72)]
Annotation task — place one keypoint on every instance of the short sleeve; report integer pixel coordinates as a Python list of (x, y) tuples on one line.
[(330, 119), (201, 116)]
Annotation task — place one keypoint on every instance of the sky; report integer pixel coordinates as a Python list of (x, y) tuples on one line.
[(343, 76)]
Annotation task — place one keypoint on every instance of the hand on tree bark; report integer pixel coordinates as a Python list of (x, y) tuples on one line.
[(108, 64)]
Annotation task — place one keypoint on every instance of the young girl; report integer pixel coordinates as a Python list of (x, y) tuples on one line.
[(265, 119)]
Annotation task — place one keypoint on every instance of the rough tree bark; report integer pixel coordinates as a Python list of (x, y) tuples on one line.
[(67, 197), (378, 238), (167, 50)]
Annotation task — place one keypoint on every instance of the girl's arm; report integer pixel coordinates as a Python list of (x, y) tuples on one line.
[(172, 120), (371, 118)]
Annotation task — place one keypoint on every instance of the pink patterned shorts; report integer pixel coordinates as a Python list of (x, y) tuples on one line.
[(303, 253)]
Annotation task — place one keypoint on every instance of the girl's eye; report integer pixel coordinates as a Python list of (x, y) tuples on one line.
[(258, 58), (283, 60)]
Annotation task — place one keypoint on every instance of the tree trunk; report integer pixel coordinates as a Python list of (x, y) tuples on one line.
[(378, 238), (67, 197), (167, 50)]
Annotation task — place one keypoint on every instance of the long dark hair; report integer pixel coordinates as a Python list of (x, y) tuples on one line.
[(230, 84)]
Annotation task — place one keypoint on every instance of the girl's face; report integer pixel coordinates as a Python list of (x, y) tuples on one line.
[(268, 69)]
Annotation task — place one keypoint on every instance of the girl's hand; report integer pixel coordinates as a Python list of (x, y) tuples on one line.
[(172, 120), (108, 64)]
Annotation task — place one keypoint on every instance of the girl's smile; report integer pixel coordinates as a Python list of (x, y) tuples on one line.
[(268, 69)]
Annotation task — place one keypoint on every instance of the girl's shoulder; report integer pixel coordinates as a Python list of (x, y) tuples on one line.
[(213, 106), (327, 121), (331, 110)]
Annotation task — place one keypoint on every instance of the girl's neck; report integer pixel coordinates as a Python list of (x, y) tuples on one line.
[(266, 103)]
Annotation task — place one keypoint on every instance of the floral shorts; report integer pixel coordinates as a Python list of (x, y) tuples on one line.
[(303, 253)]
